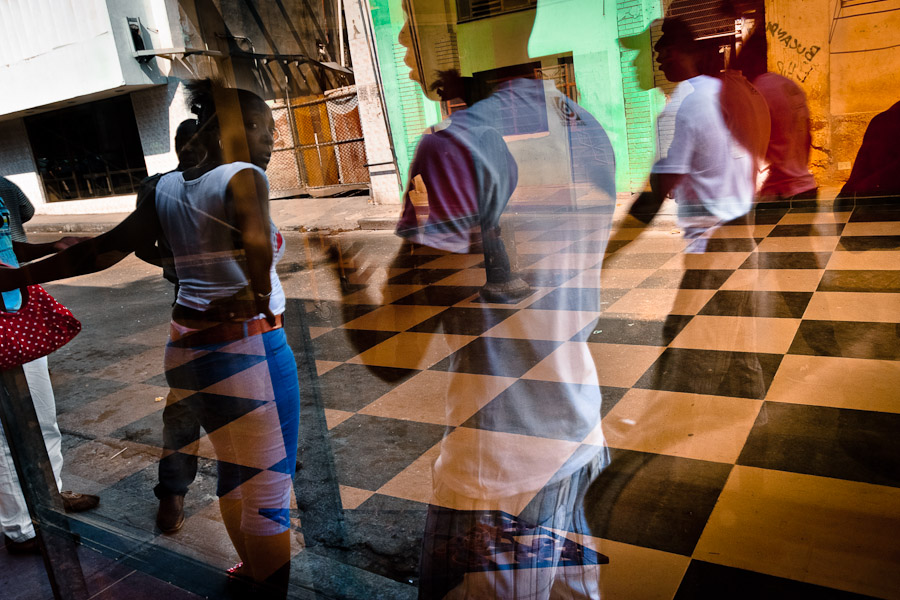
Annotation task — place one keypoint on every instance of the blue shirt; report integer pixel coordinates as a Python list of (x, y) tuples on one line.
[(12, 300)]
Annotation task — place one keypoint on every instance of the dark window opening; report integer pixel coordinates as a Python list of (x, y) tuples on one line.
[(470, 10), (137, 37), (88, 151)]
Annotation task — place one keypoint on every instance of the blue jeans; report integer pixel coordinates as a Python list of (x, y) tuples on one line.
[(246, 396)]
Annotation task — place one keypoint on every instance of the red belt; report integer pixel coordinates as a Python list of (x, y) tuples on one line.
[(227, 331)]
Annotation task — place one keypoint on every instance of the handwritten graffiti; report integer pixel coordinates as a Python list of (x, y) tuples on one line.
[(792, 43), (791, 68), (797, 66)]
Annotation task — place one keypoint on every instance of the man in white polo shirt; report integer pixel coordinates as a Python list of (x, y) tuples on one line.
[(707, 168)]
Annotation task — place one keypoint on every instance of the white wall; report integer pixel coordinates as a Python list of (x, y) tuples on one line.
[(58, 50), (68, 51)]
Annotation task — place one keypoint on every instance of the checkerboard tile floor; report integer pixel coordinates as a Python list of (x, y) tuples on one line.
[(788, 488), (784, 486)]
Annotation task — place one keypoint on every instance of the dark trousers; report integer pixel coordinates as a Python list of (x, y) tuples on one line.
[(497, 267), (177, 470)]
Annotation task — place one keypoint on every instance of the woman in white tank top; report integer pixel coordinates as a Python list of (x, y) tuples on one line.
[(227, 358)]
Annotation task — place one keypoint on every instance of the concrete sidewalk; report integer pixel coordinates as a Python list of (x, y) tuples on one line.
[(294, 214)]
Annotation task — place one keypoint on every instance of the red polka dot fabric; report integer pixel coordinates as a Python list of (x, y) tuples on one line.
[(41, 326)]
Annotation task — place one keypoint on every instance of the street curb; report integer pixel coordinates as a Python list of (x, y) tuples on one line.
[(377, 223), (69, 227), (365, 224)]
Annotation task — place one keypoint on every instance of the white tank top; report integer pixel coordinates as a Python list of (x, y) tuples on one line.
[(199, 225)]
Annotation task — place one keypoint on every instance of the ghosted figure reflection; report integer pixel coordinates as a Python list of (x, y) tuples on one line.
[(227, 360), (721, 130), (516, 176)]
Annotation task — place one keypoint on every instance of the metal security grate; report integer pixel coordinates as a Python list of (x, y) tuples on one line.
[(705, 17), (319, 144)]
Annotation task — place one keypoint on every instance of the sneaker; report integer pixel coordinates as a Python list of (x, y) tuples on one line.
[(170, 516), (29, 546), (75, 502)]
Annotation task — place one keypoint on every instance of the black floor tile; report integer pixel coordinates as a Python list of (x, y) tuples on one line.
[(348, 288), (856, 445), (712, 372), (786, 260), (880, 341), (638, 260), (540, 408), (334, 314), (860, 281), (730, 245), (610, 330), (807, 230), (611, 397), (708, 581), (353, 387), (860, 243), (875, 214), (463, 320), (370, 451), (763, 216), (342, 344), (587, 299), (806, 206), (690, 279), (439, 295), (616, 245), (411, 261), (548, 277), (610, 296), (421, 276), (497, 356), (743, 303), (653, 500)]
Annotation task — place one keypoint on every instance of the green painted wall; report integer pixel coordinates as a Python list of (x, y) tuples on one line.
[(587, 30), (409, 111), (642, 102)]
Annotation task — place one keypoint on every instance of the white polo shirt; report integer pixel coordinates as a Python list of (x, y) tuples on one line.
[(719, 171)]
